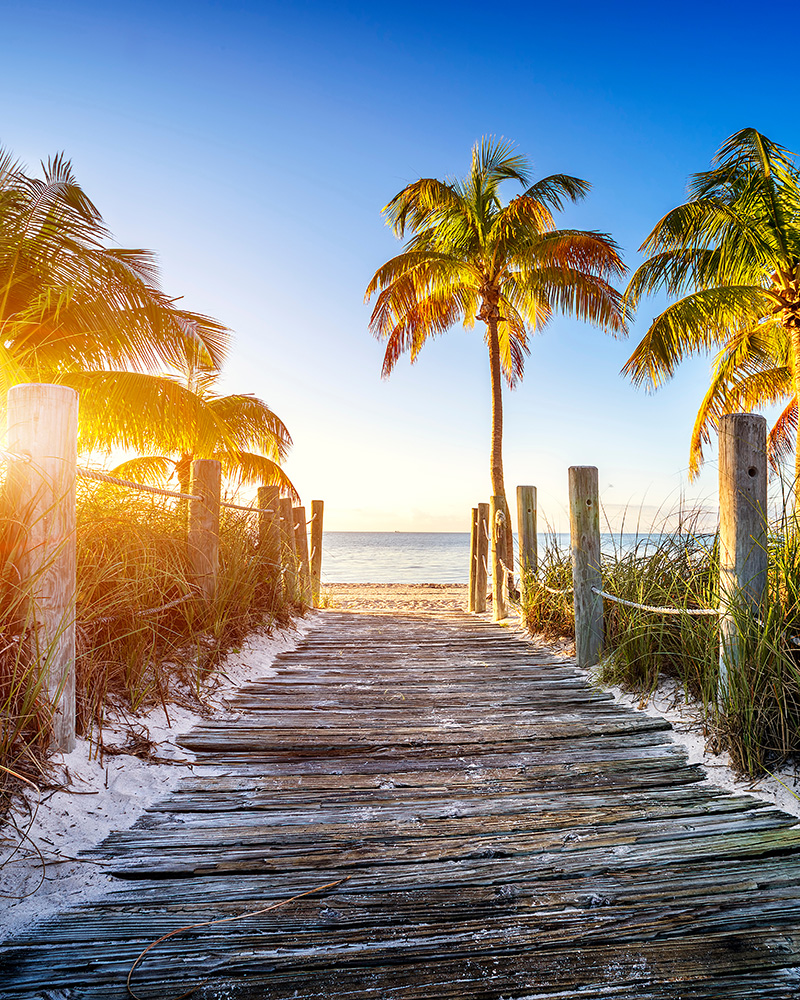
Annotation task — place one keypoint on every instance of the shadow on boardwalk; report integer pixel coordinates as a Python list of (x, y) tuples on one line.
[(508, 833)]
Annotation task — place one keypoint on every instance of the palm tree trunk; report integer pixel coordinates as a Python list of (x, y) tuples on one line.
[(496, 462)]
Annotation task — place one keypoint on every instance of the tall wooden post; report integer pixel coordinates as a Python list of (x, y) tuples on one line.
[(482, 561), (498, 525), (584, 526), (742, 529), (288, 552), (269, 533), (473, 559), (43, 426), (301, 548), (317, 511), (204, 525), (526, 532)]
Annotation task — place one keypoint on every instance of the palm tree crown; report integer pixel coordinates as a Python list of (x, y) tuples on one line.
[(75, 311), (471, 257), (731, 257), (241, 431)]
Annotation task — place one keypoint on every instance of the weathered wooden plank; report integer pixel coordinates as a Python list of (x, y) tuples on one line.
[(507, 832)]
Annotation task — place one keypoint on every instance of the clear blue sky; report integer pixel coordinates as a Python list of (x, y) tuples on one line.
[(253, 145)]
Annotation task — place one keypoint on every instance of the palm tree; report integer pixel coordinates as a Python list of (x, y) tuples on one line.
[(78, 312), (241, 431), (471, 257), (731, 257)]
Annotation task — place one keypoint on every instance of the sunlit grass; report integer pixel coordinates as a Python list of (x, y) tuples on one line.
[(131, 558)]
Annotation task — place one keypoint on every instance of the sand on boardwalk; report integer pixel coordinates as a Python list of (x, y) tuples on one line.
[(396, 596)]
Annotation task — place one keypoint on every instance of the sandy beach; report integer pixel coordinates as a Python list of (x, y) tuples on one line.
[(87, 796), (396, 596)]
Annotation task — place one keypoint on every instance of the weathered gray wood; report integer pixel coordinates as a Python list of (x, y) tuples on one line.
[(526, 533), (288, 550), (584, 526), (269, 532), (742, 529), (507, 830), (482, 559), (203, 541), (498, 525), (301, 548), (43, 425), (317, 512), (473, 560)]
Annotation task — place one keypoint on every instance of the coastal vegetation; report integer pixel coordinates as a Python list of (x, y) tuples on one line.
[(77, 311), (731, 258), (759, 724), (470, 257)]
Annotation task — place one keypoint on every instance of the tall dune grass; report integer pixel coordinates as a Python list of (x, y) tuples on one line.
[(132, 559), (758, 720)]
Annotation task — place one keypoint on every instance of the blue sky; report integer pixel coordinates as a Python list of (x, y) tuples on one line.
[(253, 145)]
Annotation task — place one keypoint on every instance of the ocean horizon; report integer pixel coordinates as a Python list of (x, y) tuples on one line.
[(418, 556)]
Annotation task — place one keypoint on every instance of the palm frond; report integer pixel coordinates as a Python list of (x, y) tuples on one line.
[(557, 189), (696, 323)]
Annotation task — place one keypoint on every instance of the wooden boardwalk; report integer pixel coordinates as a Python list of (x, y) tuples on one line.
[(508, 833)]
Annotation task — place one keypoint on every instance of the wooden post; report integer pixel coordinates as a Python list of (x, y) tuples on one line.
[(43, 425), (473, 559), (317, 510), (301, 548), (584, 526), (269, 532), (526, 531), (204, 525), (288, 552), (498, 525), (482, 561), (742, 529)]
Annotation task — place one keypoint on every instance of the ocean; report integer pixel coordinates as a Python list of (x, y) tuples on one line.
[(415, 556)]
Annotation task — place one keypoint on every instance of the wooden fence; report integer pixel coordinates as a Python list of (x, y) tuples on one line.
[(743, 543), (42, 461)]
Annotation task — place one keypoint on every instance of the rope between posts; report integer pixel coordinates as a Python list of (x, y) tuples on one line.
[(103, 477), (657, 610), (107, 619), (249, 510)]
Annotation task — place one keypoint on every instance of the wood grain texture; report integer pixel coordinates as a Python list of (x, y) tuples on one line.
[(317, 513), (584, 528), (204, 525), (742, 526), (43, 425), (507, 831)]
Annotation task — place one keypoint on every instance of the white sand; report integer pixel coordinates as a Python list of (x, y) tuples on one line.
[(98, 799)]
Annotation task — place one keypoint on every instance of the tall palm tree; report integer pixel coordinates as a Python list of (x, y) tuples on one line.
[(731, 257), (471, 257), (75, 311), (241, 431)]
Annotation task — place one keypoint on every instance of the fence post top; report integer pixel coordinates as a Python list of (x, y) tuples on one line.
[(44, 389), (755, 419)]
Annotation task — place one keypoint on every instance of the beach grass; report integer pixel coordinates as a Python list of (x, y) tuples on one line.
[(756, 715), (143, 636)]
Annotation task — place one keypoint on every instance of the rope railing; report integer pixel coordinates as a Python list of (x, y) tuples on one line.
[(657, 609), (108, 619), (103, 477)]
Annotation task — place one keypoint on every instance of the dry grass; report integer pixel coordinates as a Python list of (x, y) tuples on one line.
[(132, 558)]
